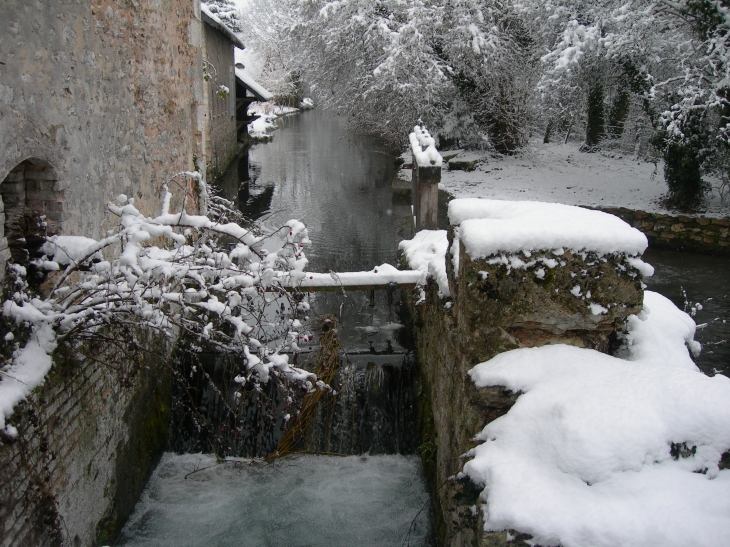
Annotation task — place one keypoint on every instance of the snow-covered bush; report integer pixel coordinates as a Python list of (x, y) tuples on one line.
[(202, 278)]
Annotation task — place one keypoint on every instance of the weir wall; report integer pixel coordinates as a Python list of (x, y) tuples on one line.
[(680, 232), (495, 309)]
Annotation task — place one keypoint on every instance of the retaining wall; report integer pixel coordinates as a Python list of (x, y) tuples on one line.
[(681, 232), (87, 442), (495, 309)]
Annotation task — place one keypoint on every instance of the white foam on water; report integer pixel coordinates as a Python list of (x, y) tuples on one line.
[(298, 501)]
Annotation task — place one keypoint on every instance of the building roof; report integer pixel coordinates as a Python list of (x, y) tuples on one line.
[(212, 19), (253, 86)]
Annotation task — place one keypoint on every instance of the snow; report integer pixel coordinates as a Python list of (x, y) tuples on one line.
[(584, 456), (213, 20), (426, 252), (28, 371), (380, 275), (561, 173), (268, 112), (487, 227), (257, 89), (423, 147), (67, 249)]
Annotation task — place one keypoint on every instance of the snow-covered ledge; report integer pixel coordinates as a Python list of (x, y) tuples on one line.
[(509, 276)]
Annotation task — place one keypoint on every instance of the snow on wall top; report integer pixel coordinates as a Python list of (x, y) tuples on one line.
[(212, 19), (424, 150), (253, 86), (490, 226), (426, 253), (593, 436)]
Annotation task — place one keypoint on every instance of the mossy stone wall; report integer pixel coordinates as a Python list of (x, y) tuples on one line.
[(496, 309), (88, 440)]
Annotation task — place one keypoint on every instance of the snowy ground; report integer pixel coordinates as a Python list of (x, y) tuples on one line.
[(270, 112), (561, 173)]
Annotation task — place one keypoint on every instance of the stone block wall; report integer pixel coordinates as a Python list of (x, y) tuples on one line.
[(108, 94), (97, 98), (88, 439), (680, 232), (496, 309)]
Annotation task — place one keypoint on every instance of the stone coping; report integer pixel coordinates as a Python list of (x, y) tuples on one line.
[(680, 232)]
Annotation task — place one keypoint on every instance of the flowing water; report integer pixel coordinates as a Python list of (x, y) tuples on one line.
[(689, 279), (341, 189), (312, 501)]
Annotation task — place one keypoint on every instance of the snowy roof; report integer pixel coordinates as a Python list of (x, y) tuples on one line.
[(488, 226), (253, 86), (212, 19)]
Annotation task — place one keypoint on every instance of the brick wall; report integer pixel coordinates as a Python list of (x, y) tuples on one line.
[(88, 439)]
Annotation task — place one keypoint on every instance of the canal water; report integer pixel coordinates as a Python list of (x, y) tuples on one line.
[(700, 285), (341, 189)]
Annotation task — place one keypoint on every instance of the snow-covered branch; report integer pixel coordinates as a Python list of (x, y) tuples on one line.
[(199, 276)]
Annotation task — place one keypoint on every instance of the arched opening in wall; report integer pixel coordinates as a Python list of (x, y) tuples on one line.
[(33, 208)]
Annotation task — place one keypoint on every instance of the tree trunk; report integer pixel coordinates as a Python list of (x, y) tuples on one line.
[(595, 127), (618, 114), (548, 131)]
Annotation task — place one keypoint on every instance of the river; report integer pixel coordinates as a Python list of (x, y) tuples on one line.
[(341, 189)]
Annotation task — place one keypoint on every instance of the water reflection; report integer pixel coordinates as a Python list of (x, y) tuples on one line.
[(340, 187)]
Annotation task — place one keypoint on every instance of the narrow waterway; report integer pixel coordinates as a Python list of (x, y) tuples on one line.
[(341, 189)]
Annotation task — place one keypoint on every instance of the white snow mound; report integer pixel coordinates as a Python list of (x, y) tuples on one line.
[(584, 457), (489, 226), (426, 252)]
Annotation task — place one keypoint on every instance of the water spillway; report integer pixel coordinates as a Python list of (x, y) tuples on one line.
[(376, 493)]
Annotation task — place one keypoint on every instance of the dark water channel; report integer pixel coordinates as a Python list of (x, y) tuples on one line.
[(341, 189), (689, 279)]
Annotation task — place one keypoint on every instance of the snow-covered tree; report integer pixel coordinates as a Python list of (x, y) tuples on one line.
[(209, 279)]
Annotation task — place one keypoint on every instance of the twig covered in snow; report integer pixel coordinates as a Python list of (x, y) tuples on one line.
[(201, 276)]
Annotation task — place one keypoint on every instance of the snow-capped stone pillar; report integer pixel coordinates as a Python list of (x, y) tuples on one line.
[(426, 177), (518, 275)]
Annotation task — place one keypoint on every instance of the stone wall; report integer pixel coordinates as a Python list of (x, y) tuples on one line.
[(681, 232), (496, 309), (88, 440), (96, 99), (107, 93)]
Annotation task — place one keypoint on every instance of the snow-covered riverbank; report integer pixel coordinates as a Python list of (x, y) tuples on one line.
[(262, 128), (561, 173)]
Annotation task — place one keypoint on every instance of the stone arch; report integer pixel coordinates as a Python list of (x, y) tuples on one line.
[(31, 207)]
